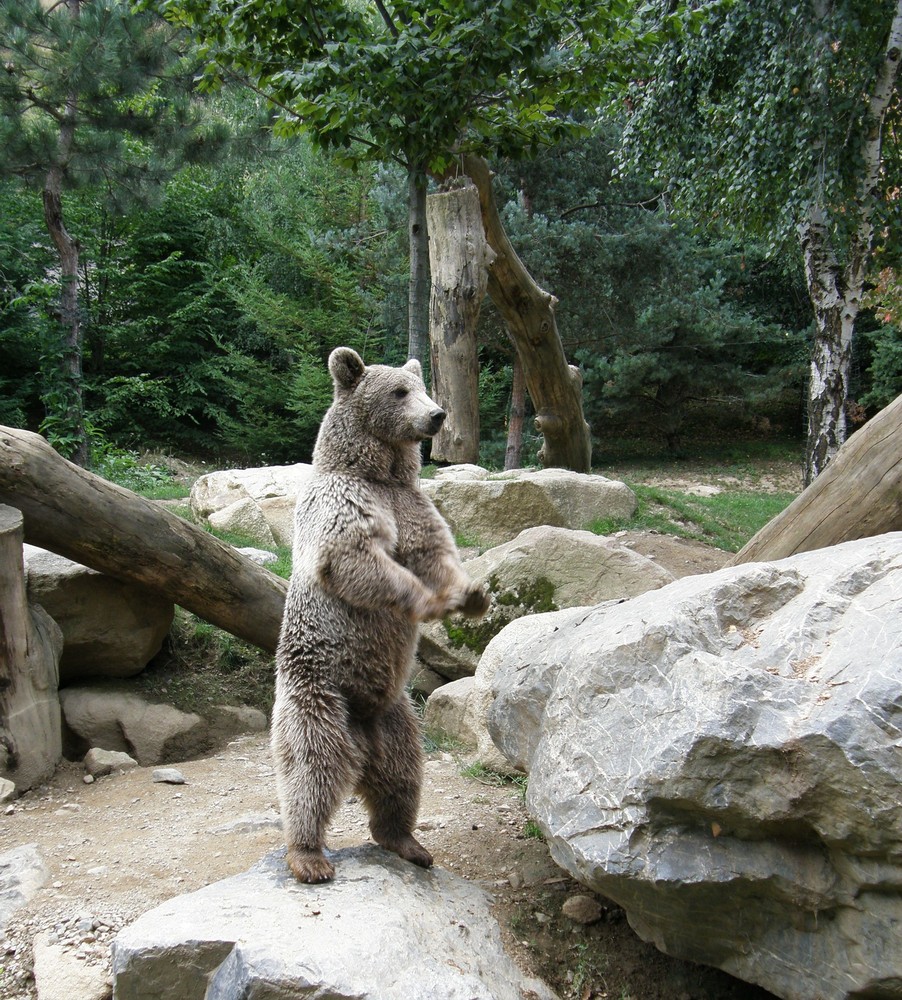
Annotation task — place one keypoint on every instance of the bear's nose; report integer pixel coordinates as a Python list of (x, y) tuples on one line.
[(437, 418)]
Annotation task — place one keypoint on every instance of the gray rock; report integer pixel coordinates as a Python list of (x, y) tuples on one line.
[(542, 569), (496, 509), (220, 489), (722, 758), (383, 928), (244, 517), (22, 873), (168, 776), (582, 909), (279, 514), (109, 717), (110, 628), (227, 721), (59, 975), (262, 556), (99, 762)]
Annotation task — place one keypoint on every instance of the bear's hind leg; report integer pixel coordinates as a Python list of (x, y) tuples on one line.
[(315, 762), (391, 779)]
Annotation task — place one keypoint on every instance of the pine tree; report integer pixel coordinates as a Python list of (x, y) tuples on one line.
[(91, 94)]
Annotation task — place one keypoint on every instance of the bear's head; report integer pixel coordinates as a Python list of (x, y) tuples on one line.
[(392, 402), (377, 412)]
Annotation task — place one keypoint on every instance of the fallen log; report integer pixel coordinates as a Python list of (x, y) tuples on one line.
[(112, 530), (858, 495)]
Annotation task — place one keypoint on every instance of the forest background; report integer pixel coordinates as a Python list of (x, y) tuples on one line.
[(220, 263)]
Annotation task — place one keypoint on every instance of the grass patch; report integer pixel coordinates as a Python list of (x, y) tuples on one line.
[(201, 665), (727, 520)]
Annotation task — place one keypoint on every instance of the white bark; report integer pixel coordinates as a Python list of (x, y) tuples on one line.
[(836, 291)]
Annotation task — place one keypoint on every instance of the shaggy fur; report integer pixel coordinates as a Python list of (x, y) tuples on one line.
[(372, 559)]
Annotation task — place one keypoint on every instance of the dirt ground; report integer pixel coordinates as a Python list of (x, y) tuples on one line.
[(120, 845), (124, 843)]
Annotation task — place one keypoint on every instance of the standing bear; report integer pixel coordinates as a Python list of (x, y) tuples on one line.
[(372, 559)]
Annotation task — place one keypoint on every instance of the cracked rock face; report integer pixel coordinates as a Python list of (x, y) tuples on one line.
[(382, 929), (723, 758)]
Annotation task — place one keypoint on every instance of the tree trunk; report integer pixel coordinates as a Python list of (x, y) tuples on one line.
[(418, 289), (72, 402), (835, 295), (30, 647), (528, 312), (836, 291), (111, 529), (458, 260), (859, 494), (518, 412)]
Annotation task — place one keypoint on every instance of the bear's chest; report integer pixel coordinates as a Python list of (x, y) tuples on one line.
[(407, 514)]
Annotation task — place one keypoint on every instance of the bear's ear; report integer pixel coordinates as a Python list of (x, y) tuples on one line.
[(346, 367), (414, 366)]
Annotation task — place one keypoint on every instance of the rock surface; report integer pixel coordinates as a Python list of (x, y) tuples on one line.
[(221, 489), (258, 503), (22, 873), (542, 569), (382, 928), (110, 628), (495, 509), (244, 517), (722, 757), (111, 717)]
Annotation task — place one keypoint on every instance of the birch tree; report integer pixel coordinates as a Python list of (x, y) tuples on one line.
[(773, 117)]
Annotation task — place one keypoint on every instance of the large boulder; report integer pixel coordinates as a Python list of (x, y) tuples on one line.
[(110, 628), (542, 569), (109, 717), (244, 517), (495, 509), (258, 503), (722, 758), (220, 489), (382, 929)]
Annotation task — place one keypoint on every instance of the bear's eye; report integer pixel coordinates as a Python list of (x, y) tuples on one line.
[(401, 393)]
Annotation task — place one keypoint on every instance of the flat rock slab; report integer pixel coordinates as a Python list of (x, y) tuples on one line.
[(383, 928)]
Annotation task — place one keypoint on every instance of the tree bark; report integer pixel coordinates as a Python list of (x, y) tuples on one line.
[(70, 320), (30, 647), (418, 288), (458, 260), (836, 291), (518, 411), (859, 494), (528, 312), (83, 517)]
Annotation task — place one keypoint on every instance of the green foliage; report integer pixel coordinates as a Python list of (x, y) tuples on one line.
[(885, 369), (759, 110), (412, 80), (673, 329), (727, 520)]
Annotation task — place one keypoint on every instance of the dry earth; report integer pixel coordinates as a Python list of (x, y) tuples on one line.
[(119, 846)]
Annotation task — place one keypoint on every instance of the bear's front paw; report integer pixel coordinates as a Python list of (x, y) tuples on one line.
[(433, 608), (475, 602)]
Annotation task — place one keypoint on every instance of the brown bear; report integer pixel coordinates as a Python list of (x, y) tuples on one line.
[(372, 559)]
